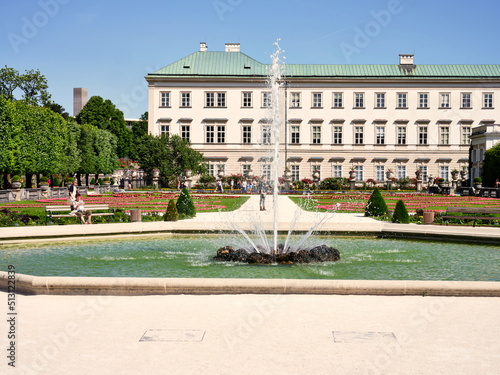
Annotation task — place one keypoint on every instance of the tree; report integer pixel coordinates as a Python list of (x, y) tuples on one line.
[(34, 85), (103, 114), (185, 205), (400, 213), (57, 108), (171, 214), (376, 205), (170, 154), (10, 136), (491, 165), (9, 81), (139, 129)]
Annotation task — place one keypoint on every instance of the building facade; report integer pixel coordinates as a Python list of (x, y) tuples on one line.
[(483, 138), (370, 118)]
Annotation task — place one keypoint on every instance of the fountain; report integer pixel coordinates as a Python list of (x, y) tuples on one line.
[(276, 253)]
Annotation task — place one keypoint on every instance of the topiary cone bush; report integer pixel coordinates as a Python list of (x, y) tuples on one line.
[(400, 213), (171, 214), (376, 205), (185, 204)]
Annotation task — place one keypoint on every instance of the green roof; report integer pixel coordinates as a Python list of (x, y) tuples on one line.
[(237, 64)]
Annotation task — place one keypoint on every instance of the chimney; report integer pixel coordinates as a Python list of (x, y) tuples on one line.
[(405, 59), (203, 47), (232, 47)]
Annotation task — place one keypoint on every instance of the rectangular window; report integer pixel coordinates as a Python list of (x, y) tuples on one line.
[(422, 135), (401, 135), (247, 134), (380, 173), (402, 100), (266, 99), (466, 131), (444, 135), (423, 100), (185, 99), (165, 99), (317, 99), (247, 100), (337, 135), (295, 100), (337, 171), (211, 170), (423, 168), (444, 100), (186, 132), (466, 100), (210, 99), (221, 134), (266, 171), (358, 135), (246, 169), (266, 135), (164, 129), (210, 135), (359, 100), (316, 135), (359, 172), (380, 100), (295, 134), (295, 169), (380, 135), (221, 99), (487, 100), (401, 171), (444, 171), (338, 100)]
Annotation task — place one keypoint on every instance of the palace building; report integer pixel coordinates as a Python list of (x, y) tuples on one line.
[(370, 118)]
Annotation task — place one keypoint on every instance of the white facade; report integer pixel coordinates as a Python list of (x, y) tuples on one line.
[(334, 124), (483, 138)]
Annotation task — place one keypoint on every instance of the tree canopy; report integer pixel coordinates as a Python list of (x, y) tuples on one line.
[(491, 165), (103, 114), (172, 155), (32, 83)]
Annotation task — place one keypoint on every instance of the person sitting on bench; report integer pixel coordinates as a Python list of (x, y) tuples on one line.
[(81, 212)]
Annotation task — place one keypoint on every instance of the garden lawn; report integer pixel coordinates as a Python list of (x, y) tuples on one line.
[(357, 202), (152, 203)]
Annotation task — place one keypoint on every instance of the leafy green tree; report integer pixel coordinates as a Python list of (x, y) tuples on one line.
[(170, 154), (9, 81), (73, 153), (491, 166), (10, 140), (400, 213), (103, 114), (185, 205), (85, 144), (57, 108), (34, 85), (376, 205), (105, 148)]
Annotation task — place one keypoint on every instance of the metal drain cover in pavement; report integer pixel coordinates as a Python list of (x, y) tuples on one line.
[(349, 337), (175, 335)]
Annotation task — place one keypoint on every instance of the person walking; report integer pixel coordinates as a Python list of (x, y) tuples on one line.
[(244, 186), (262, 193)]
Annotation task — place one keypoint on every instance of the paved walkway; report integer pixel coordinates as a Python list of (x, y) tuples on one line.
[(253, 334)]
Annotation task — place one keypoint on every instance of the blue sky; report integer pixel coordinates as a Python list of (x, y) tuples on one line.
[(108, 46)]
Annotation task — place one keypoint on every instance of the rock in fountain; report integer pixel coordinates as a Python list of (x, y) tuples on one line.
[(320, 253)]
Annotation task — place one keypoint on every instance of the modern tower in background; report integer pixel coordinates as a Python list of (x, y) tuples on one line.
[(80, 97)]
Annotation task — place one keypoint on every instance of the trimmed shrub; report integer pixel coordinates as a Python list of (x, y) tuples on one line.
[(44, 179), (400, 213), (185, 205), (92, 182), (332, 183), (477, 180), (376, 204), (171, 214)]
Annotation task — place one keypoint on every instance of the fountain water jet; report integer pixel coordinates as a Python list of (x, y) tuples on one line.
[(277, 253)]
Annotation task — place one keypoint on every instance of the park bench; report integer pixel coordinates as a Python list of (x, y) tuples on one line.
[(56, 211), (471, 213)]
